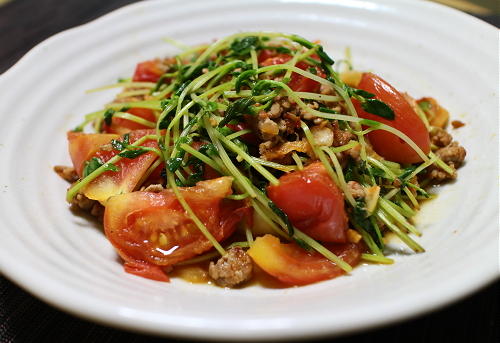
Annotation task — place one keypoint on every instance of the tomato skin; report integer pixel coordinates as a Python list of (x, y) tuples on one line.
[(312, 202), (121, 126), (82, 146), (135, 222), (295, 266), (148, 71), (208, 172), (406, 120), (298, 83), (146, 270), (247, 137)]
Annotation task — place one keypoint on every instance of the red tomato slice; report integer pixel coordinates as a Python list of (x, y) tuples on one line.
[(146, 270), (406, 120), (154, 229), (111, 183), (121, 126), (148, 71), (82, 146), (248, 137), (298, 83), (266, 54), (293, 265), (155, 177), (312, 202)]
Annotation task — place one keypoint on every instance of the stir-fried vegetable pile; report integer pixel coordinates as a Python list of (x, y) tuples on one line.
[(260, 107)]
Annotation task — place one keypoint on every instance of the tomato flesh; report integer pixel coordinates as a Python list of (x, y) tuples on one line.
[(247, 137), (298, 83), (82, 146), (406, 120), (153, 228), (110, 183), (293, 265), (312, 202), (121, 126), (148, 71), (146, 270)]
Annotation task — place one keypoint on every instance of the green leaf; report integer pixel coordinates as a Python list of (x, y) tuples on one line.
[(181, 87), (283, 217), (108, 116), (121, 145), (94, 163), (243, 79), (283, 50), (174, 163), (376, 172), (263, 87), (379, 108), (301, 243), (236, 110), (324, 56), (209, 150), (327, 110), (243, 46), (406, 172), (131, 154), (302, 41), (363, 93), (312, 70)]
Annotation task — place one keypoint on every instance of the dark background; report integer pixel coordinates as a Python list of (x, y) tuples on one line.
[(25, 23)]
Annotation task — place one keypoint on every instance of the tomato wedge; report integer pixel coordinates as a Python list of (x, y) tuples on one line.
[(293, 265), (121, 126), (83, 147), (153, 228), (312, 202), (298, 83), (247, 137), (148, 71), (406, 120)]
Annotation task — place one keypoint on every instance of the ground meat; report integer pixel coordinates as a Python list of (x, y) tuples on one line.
[(268, 129), (326, 90), (356, 189), (231, 269), (275, 110), (438, 175), (322, 135), (305, 114), (67, 173), (341, 137), (440, 137), (354, 152), (453, 154), (81, 202), (397, 183)]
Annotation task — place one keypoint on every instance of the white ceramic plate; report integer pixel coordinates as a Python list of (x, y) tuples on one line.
[(420, 47)]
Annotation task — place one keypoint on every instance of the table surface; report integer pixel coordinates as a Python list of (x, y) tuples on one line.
[(23, 318)]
